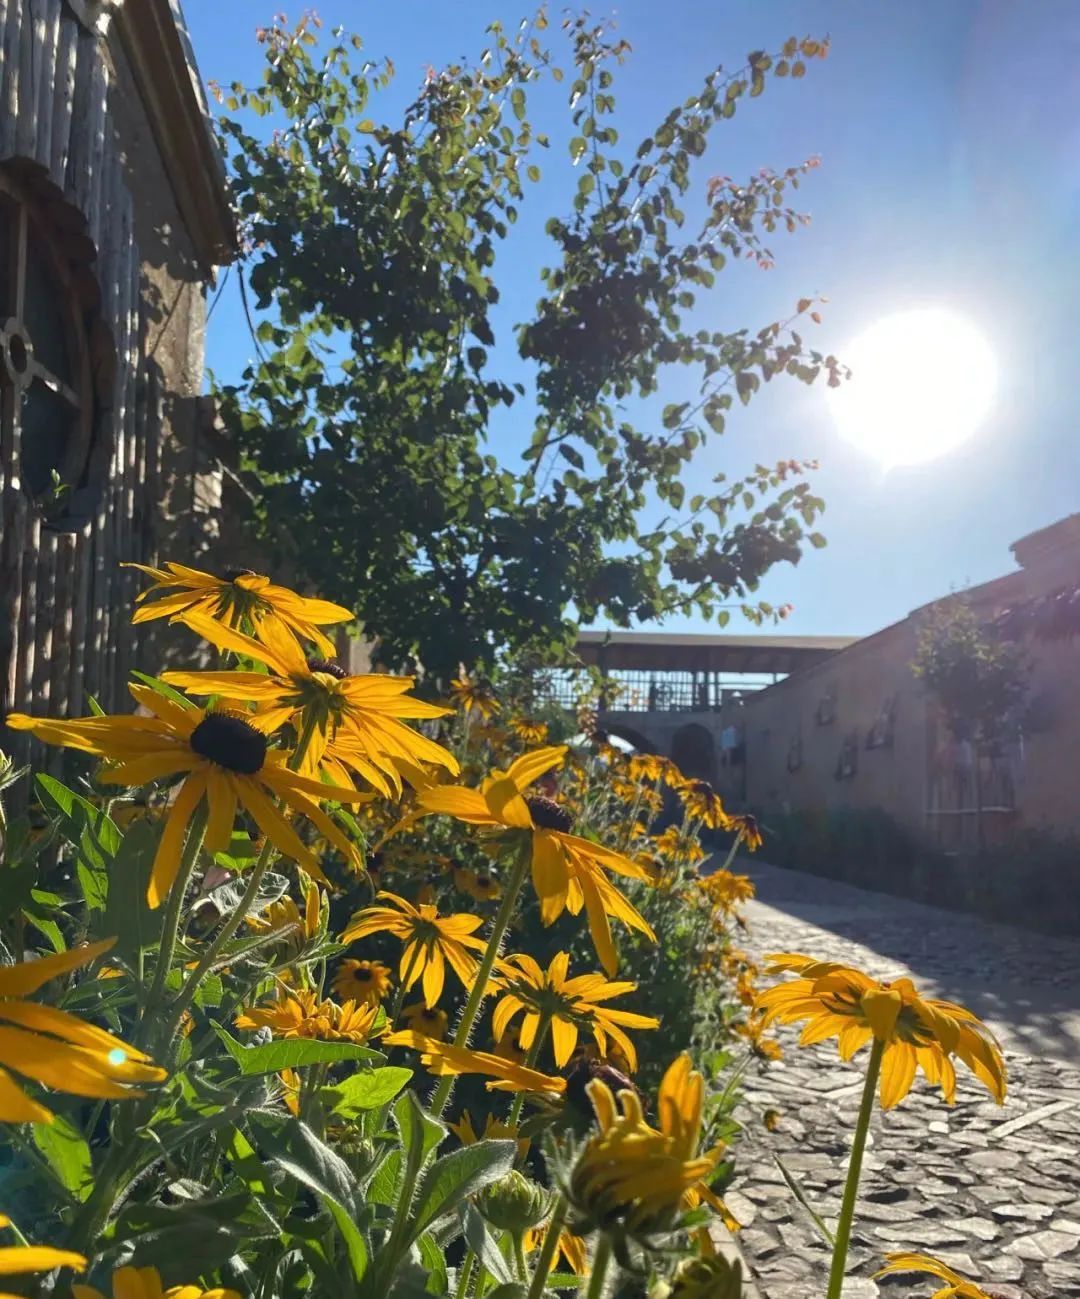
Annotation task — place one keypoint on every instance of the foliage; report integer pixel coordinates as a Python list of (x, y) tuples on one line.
[(384, 415), (294, 1145), (978, 680), (1028, 879)]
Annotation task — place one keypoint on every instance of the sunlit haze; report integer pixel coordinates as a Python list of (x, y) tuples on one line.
[(921, 384)]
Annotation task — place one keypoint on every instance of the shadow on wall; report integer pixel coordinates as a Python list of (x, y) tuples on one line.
[(693, 750)]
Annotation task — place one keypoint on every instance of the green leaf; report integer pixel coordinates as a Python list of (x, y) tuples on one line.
[(292, 1053), (458, 1175), (127, 917), (578, 146), (67, 1154), (817, 540), (480, 1241), (365, 1090), (517, 103)]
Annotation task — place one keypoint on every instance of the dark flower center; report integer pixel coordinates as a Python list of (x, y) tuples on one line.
[(231, 574), (548, 815), (701, 787), (328, 666), (483, 880), (230, 742)]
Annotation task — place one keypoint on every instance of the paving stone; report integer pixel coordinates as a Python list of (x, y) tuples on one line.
[(993, 1191), (744, 1211), (1043, 1245)]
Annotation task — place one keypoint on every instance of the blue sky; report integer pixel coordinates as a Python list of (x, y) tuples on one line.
[(949, 136)]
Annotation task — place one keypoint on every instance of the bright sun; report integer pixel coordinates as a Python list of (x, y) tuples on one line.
[(921, 383)]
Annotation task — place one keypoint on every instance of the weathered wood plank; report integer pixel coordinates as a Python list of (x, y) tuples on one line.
[(28, 626), (9, 108), (101, 156), (12, 550), (46, 79), (81, 565), (63, 105)]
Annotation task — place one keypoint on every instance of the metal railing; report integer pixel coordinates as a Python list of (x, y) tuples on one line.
[(629, 691)]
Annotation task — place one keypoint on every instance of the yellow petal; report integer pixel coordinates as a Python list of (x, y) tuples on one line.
[(29, 976), (37, 1258)]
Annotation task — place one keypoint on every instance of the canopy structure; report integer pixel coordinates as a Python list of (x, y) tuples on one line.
[(757, 655)]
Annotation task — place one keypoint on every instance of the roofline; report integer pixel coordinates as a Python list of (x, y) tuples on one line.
[(659, 638), (156, 42)]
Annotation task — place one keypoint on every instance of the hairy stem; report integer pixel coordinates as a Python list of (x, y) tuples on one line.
[(851, 1185)]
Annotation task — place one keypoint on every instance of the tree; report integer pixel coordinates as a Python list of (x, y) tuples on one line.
[(978, 681), (375, 414)]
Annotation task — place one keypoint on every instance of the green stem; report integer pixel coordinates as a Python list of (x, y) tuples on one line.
[(542, 1030), (851, 1185), (598, 1276), (171, 926), (465, 1275), (731, 852), (225, 934), (399, 996), (519, 1256), (487, 963), (548, 1249)]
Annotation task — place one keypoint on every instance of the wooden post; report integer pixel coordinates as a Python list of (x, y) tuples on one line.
[(63, 92)]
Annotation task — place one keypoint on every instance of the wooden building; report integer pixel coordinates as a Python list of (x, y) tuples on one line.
[(113, 216)]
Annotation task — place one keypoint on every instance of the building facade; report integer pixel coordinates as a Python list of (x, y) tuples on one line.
[(113, 217), (857, 729)]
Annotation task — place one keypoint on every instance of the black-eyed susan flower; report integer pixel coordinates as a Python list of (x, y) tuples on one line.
[(752, 1031), (445, 1059), (365, 982), (916, 1032), (704, 804), (747, 829), (361, 714), (480, 885), (56, 1048), (509, 1048), (571, 1249), (20, 1260), (302, 1014), (645, 766), (568, 872), (431, 942), (240, 599), (285, 919), (145, 1283), (955, 1287), (638, 1175), (226, 762), (725, 889), (528, 730), (428, 1021), (568, 1004), (494, 1130), (678, 844), (476, 696)]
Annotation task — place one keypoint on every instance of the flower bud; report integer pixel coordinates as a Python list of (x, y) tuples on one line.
[(708, 1278), (513, 1203)]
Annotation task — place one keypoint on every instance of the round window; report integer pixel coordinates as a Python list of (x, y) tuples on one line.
[(46, 392)]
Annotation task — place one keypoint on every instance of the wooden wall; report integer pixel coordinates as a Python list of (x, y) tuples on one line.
[(64, 601)]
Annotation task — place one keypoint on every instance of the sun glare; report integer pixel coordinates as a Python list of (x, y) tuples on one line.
[(921, 383)]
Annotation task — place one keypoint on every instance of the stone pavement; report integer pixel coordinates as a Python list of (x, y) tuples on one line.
[(994, 1191)]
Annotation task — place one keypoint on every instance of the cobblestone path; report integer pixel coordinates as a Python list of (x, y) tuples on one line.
[(994, 1191)]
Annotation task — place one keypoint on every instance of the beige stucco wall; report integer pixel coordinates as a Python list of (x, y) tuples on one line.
[(897, 777)]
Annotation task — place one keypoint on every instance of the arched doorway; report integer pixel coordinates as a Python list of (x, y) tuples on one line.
[(693, 750)]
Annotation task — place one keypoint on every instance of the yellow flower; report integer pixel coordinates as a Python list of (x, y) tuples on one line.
[(300, 1014), (956, 1286), (284, 918), (431, 941), (478, 885), (291, 1087), (474, 696), (918, 1032), (639, 1174), (679, 845), (748, 830), (703, 804), (16, 1260), (528, 730), (366, 982), (571, 1249), (442, 1058), (239, 597), (224, 759), (569, 1003), (646, 766), (567, 871), (753, 1031), (725, 889), (428, 1021), (494, 1130), (56, 1048), (145, 1283), (359, 713)]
